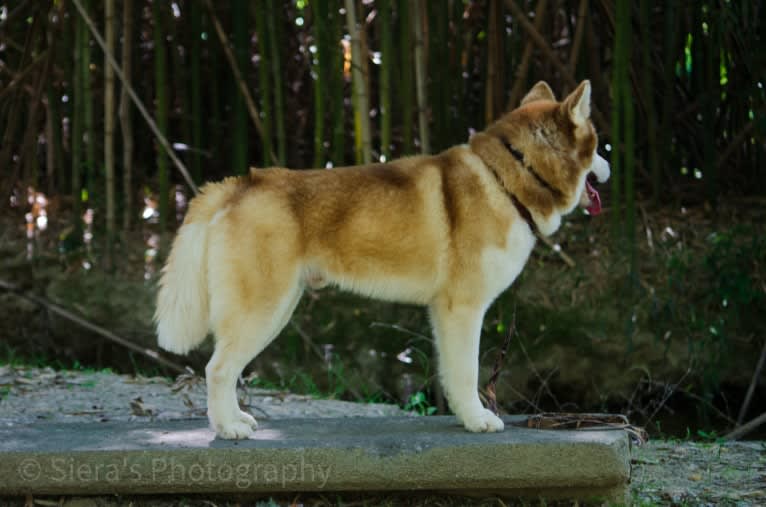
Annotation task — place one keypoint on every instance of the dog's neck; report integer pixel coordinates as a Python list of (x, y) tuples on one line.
[(520, 208)]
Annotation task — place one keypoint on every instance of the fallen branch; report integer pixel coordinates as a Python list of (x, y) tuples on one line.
[(561, 253), (587, 422), (751, 387), (61, 312), (743, 430)]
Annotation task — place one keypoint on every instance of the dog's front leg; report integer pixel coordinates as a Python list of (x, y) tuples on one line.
[(458, 329)]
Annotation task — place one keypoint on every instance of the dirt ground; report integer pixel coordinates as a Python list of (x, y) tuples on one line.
[(672, 472)]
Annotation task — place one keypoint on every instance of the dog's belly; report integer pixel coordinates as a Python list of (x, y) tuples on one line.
[(415, 288)]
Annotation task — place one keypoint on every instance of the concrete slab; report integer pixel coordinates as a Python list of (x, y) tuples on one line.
[(290, 455)]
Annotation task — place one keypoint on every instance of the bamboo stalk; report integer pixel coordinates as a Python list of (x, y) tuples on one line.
[(387, 52), (264, 78), (629, 167), (196, 90), (712, 94), (522, 70), (239, 116), (11, 129), (582, 12), (436, 59), (178, 82), (28, 153), (126, 121), (319, 10), (406, 85), (88, 112), (420, 78), (362, 113), (493, 90), (252, 109), (617, 194), (77, 123), (161, 112), (338, 84), (551, 57), (670, 47), (109, 120), (648, 84), (275, 33), (139, 105), (54, 150), (51, 140)]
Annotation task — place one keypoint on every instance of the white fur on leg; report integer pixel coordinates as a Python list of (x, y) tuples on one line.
[(223, 411), (233, 350), (457, 333)]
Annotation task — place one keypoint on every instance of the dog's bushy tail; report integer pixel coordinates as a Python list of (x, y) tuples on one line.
[(183, 310)]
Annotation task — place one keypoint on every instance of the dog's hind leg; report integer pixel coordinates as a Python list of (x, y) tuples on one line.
[(457, 328), (239, 338)]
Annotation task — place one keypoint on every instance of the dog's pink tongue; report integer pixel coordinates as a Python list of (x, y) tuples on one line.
[(595, 199)]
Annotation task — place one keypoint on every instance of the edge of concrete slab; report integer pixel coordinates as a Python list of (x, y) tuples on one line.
[(291, 455)]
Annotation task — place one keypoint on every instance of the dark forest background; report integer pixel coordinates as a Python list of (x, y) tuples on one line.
[(654, 308)]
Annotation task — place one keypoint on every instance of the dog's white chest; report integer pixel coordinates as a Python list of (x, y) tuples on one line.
[(501, 266)]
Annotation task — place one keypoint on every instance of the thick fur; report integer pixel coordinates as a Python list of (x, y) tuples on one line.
[(438, 230)]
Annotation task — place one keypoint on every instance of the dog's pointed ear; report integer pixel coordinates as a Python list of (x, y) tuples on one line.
[(541, 91), (577, 105)]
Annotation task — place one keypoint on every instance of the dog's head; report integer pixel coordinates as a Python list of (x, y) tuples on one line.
[(544, 151)]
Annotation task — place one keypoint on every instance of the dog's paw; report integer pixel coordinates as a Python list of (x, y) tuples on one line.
[(246, 418), (234, 430), (238, 427), (483, 421)]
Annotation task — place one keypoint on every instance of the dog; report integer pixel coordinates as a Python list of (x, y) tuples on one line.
[(450, 231)]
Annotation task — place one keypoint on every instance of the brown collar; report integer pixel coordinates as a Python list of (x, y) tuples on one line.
[(525, 213), (523, 210)]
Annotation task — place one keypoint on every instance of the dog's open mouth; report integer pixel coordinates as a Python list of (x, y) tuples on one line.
[(599, 171), (594, 208)]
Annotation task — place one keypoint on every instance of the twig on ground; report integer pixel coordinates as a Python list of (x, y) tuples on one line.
[(401, 329), (543, 381), (588, 422), (61, 312), (693, 396), (668, 394), (491, 393), (561, 253), (307, 339), (751, 387), (743, 430)]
